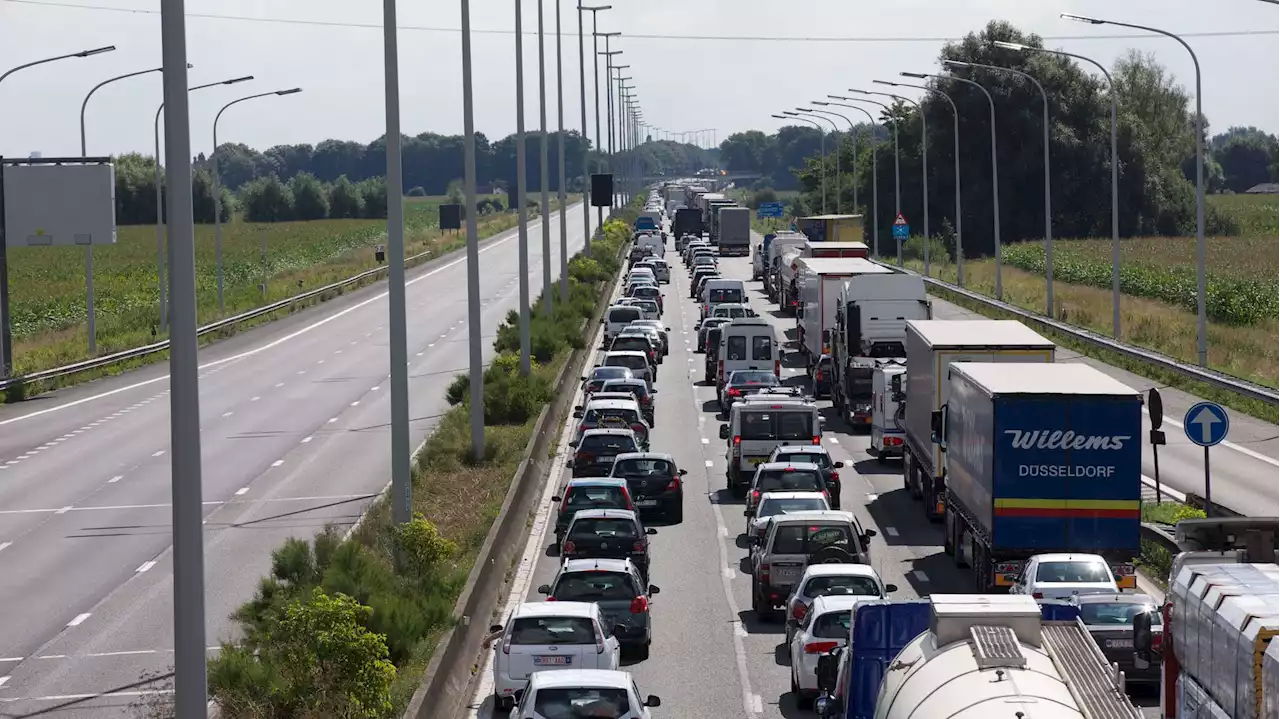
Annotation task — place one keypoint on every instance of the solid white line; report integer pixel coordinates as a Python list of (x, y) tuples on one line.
[(256, 350), (1173, 494), (145, 566), (306, 439), (115, 479), (9, 660), (72, 697), (5, 545), (3, 680), (921, 576), (277, 463), (64, 510), (78, 620)]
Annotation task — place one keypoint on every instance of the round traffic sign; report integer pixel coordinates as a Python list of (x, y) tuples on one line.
[(1206, 424)]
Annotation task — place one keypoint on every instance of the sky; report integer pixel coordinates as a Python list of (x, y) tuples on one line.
[(696, 64)]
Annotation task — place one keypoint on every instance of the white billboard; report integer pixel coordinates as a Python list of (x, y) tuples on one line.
[(59, 204)]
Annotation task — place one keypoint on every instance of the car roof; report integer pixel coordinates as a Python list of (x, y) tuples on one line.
[(621, 307), (1115, 598), (840, 570), (611, 396), (839, 602), (799, 448), (767, 466), (592, 564), (599, 431), (816, 515), (628, 381), (604, 514), (572, 678), (610, 369), (1068, 557), (790, 495), (554, 609), (611, 353), (628, 403), (597, 482), (645, 455)]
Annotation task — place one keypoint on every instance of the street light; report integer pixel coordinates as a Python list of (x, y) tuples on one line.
[(1202, 329), (822, 148), (897, 176), (82, 53), (835, 128), (1115, 184), (853, 133), (924, 163), (560, 194), (1048, 209), (160, 223), (217, 199), (544, 171), (955, 118), (522, 200), (608, 100), (476, 351), (88, 249), (582, 94), (875, 174), (995, 168), (619, 123)]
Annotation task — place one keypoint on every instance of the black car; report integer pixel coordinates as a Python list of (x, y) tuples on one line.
[(636, 342), (712, 357), (814, 454), (822, 377), (639, 389), (608, 534), (594, 453), (746, 382), (589, 493), (655, 483)]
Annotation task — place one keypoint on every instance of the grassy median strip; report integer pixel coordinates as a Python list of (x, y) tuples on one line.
[(337, 629)]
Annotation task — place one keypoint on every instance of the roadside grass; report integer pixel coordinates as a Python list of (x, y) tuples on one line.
[(1169, 512), (1153, 559), (1252, 214), (455, 501)]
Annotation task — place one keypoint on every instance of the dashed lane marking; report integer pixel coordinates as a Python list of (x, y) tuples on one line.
[(158, 453), (145, 566), (79, 619), (306, 439), (277, 463), (242, 491), (920, 575), (115, 479), (4, 545), (709, 463)]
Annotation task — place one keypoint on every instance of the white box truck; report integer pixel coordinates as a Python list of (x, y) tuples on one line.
[(734, 229), (819, 281), (932, 345)]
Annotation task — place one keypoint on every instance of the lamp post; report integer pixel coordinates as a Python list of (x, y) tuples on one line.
[(897, 175), (522, 200), (853, 134), (924, 164), (88, 249), (836, 129), (595, 68), (217, 199), (586, 136), (955, 117), (822, 148), (619, 120), (608, 101), (1048, 207), (476, 359), (1202, 329), (875, 179), (544, 172), (160, 219), (1115, 184), (560, 193)]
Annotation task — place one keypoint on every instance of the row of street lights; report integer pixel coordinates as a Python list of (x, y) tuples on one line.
[(807, 114)]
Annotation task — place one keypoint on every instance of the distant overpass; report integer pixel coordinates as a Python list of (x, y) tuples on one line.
[(732, 176)]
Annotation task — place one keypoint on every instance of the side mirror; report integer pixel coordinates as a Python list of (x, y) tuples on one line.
[(668, 329), (577, 408), (573, 443), (890, 588), (683, 472), (868, 533), (544, 589), (495, 627), (557, 500), (724, 431), (652, 701), (747, 513), (650, 531), (838, 465), (578, 413), (618, 630), (654, 589), (1142, 641)]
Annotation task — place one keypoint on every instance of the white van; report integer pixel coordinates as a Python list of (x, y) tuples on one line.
[(616, 318), (722, 289), (886, 437), (756, 427), (747, 343)]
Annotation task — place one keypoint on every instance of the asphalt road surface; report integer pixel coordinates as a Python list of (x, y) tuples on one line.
[(294, 429), (710, 657)]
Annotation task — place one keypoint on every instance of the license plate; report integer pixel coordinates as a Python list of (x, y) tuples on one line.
[(552, 661), (646, 502), (604, 460), (1119, 644), (785, 572)]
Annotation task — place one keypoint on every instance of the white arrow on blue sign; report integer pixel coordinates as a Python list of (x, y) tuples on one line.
[(1206, 424)]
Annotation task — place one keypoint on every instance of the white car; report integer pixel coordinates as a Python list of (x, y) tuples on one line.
[(583, 693), (832, 580), (826, 627), (543, 636), (773, 503), (1062, 576)]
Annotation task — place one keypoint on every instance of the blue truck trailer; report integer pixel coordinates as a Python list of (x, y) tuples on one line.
[(1040, 458)]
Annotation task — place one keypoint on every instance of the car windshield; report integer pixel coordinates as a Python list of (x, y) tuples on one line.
[(842, 585), (645, 291), (603, 373), (833, 625), (753, 377), (809, 538), (1073, 572), (726, 294), (635, 388), (1116, 614), (822, 459), (644, 468), (607, 444), (596, 497), (795, 480), (623, 314), (630, 342), (771, 507), (604, 527), (582, 703), (553, 630), (594, 586)]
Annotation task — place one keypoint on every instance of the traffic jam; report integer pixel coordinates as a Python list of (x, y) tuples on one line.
[(820, 448)]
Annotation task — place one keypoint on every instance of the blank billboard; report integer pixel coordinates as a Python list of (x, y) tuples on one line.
[(47, 204)]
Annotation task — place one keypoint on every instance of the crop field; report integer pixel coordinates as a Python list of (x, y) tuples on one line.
[(48, 290)]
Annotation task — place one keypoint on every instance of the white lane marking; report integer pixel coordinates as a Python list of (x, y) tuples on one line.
[(757, 704), (256, 349), (706, 441), (872, 497), (444, 335), (708, 463), (227, 414), (431, 344), (115, 479), (5, 545), (9, 660), (306, 439), (279, 385), (63, 510), (375, 388), (3, 679), (418, 354), (337, 352), (355, 403), (158, 453), (207, 503), (277, 463), (95, 695), (833, 440), (332, 420), (302, 371), (921, 576), (727, 572), (241, 491), (1232, 445), (739, 647), (254, 399), (145, 566), (891, 531), (79, 619), (1165, 489)]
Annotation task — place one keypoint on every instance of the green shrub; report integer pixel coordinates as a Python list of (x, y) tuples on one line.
[(422, 546), (913, 249)]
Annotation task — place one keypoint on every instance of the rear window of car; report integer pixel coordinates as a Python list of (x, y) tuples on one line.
[(833, 625), (776, 424), (635, 362), (736, 348), (809, 538), (644, 468), (772, 507), (595, 496), (582, 702), (624, 314), (592, 527), (553, 630), (595, 586), (1117, 614), (726, 294), (607, 444), (645, 291), (761, 347), (635, 388), (821, 459), (632, 342), (753, 377), (799, 480), (1070, 572), (841, 585), (730, 312)]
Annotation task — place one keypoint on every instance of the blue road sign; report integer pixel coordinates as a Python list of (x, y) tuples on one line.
[(769, 209), (901, 232), (1206, 424)]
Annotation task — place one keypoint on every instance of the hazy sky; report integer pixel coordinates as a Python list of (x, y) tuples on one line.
[(334, 51)]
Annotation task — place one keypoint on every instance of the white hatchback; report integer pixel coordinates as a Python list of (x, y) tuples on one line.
[(827, 627), (584, 693), (549, 636), (832, 580), (1062, 576)]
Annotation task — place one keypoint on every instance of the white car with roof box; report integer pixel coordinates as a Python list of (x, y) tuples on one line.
[(826, 628), (542, 637), (584, 693), (760, 423), (820, 580)]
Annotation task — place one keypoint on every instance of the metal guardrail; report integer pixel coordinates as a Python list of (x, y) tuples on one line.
[(136, 352), (1199, 374)]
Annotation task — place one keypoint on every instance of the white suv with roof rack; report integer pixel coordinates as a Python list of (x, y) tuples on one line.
[(546, 636)]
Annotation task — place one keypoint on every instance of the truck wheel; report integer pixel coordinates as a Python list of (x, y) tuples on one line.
[(948, 533), (963, 545)]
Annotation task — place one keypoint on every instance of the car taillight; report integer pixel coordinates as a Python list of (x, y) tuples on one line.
[(506, 640), (584, 457), (638, 546), (799, 612), (569, 546), (755, 495), (639, 605), (626, 494), (835, 476), (1037, 595), (564, 503), (737, 440), (817, 439), (1155, 640), (892, 441), (820, 647), (777, 369), (817, 376), (733, 392), (674, 484)]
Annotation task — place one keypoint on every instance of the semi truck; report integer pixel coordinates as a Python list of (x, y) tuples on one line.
[(734, 231), (834, 249), (831, 228), (1039, 458), (711, 218), (931, 346), (687, 221), (785, 279), (872, 311), (970, 656), (782, 243), (819, 281)]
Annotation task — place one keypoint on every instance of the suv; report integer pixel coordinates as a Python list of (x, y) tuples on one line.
[(637, 362), (594, 453), (608, 534), (817, 454), (611, 413), (589, 493), (785, 477), (793, 542), (540, 636), (636, 340), (824, 580), (617, 588), (654, 481)]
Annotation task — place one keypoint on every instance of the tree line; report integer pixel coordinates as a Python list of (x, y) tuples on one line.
[(1155, 145)]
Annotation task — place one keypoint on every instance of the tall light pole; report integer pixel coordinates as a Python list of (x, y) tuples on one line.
[(522, 199), (836, 129), (560, 193), (955, 119), (875, 179), (544, 170), (608, 102), (853, 133), (924, 164), (160, 215), (476, 363), (217, 198), (822, 149), (586, 135), (88, 249), (1202, 328), (1115, 183), (618, 124), (897, 169), (1048, 207)]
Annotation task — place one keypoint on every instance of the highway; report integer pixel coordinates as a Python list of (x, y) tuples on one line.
[(294, 427), (711, 658)]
